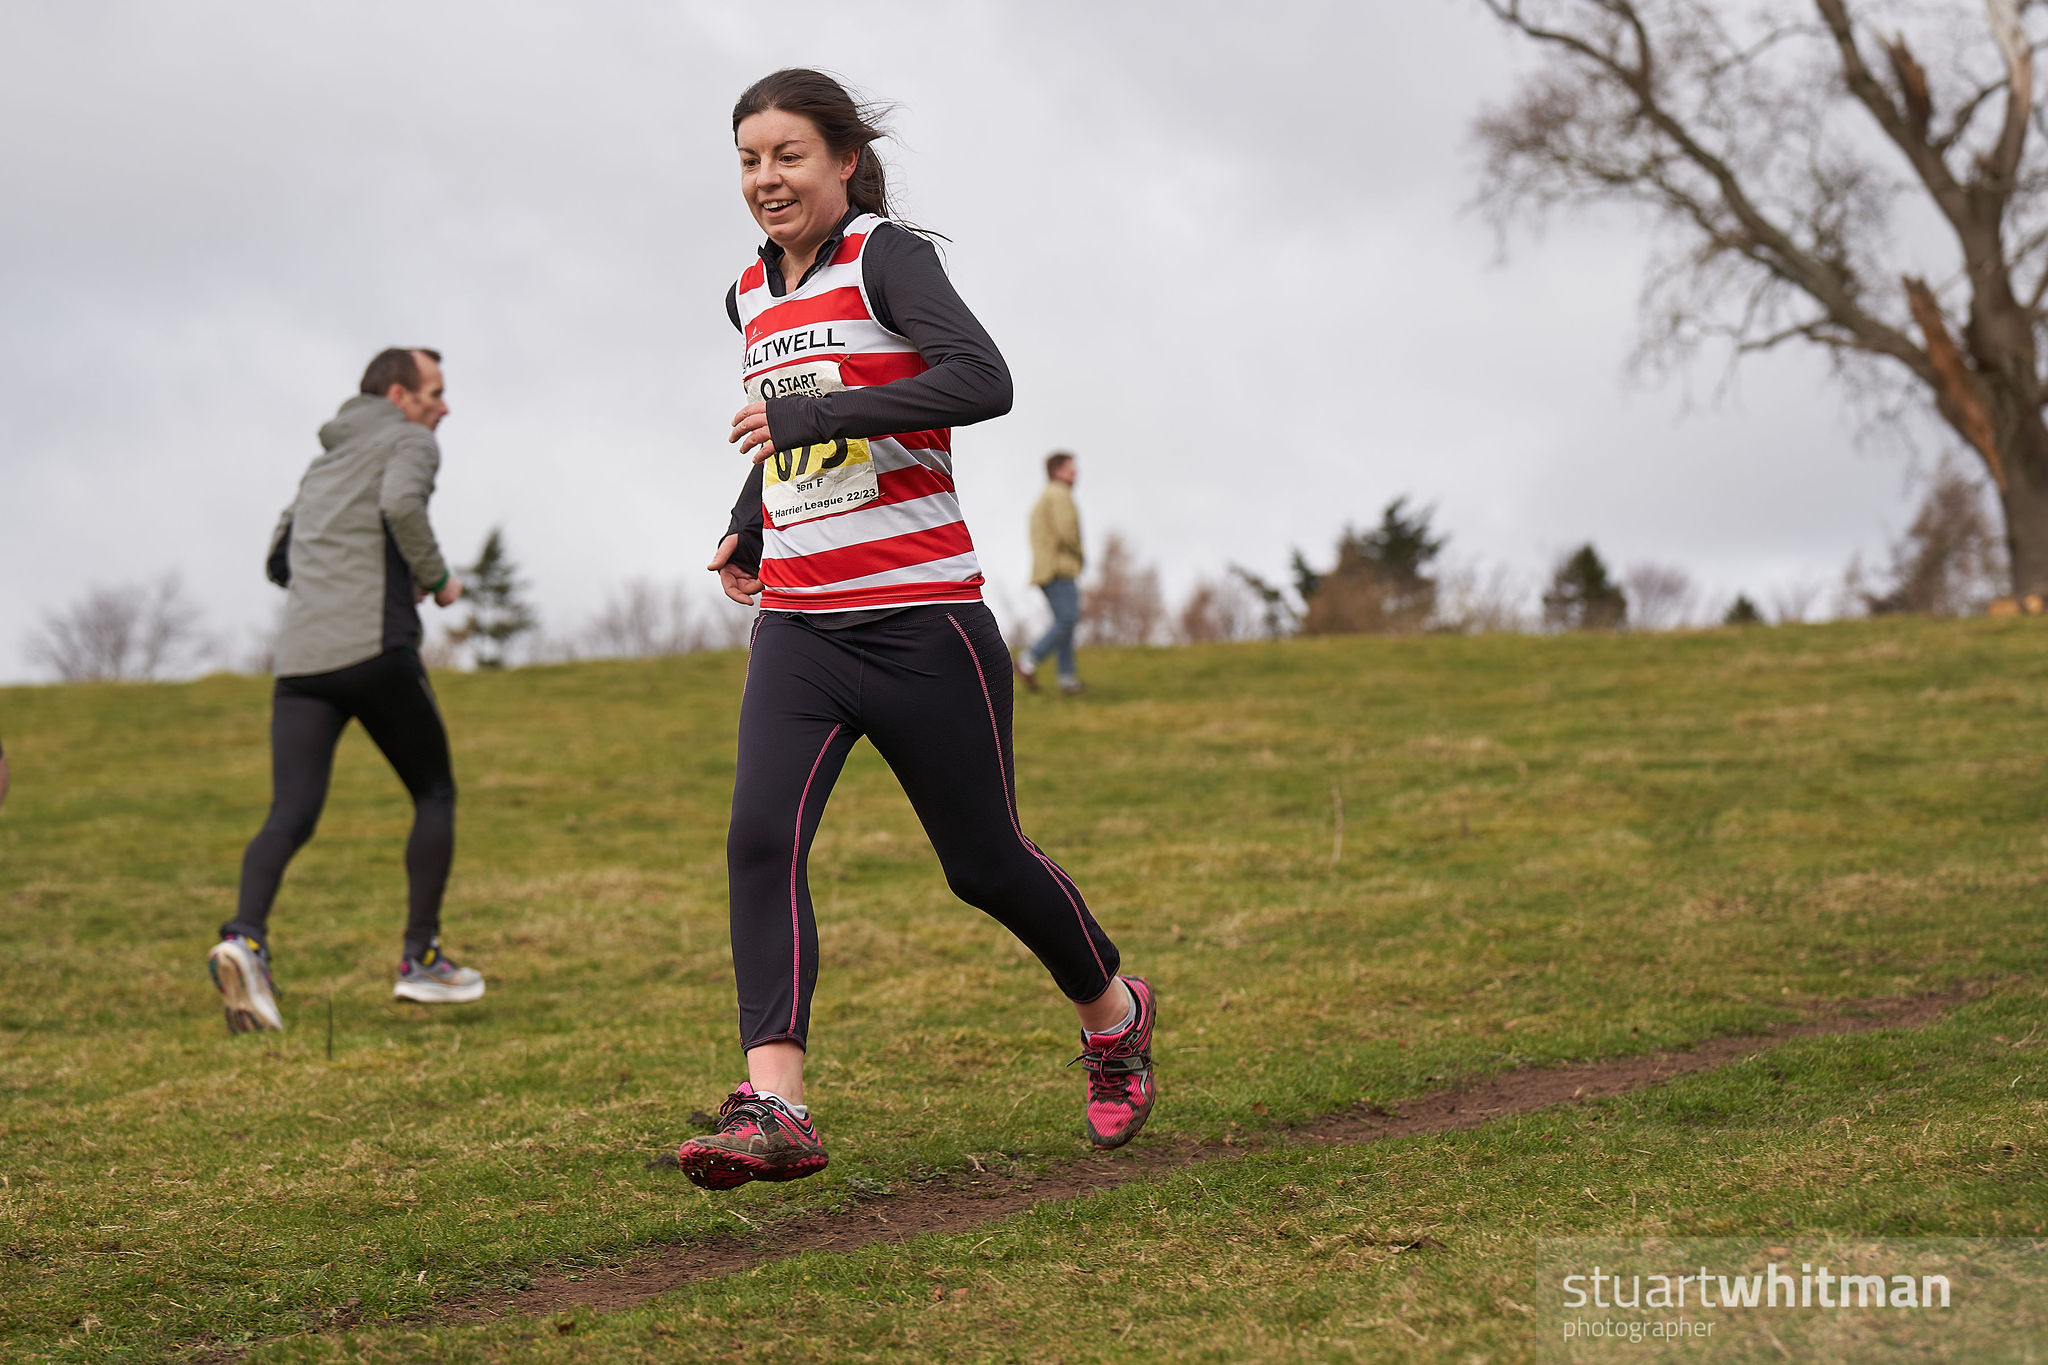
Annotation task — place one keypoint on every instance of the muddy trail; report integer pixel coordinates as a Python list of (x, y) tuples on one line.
[(963, 1201)]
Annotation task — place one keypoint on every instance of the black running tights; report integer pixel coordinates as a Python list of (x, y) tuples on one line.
[(930, 686), (390, 696)]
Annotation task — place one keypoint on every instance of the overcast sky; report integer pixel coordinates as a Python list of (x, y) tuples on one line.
[(1224, 247)]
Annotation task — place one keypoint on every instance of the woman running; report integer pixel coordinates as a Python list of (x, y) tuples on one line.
[(858, 359)]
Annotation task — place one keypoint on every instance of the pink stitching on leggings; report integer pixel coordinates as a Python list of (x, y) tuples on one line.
[(796, 854), (1058, 871), (1059, 878)]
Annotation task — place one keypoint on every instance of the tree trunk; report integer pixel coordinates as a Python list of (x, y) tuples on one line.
[(2025, 501), (1992, 399), (2007, 428)]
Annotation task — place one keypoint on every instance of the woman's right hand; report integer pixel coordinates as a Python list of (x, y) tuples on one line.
[(739, 585), (750, 429)]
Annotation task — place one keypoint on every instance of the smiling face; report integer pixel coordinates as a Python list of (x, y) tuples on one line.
[(793, 184)]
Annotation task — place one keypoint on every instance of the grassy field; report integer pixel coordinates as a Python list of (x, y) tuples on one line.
[(1550, 849)]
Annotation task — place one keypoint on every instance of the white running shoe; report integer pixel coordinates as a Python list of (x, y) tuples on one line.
[(431, 979), (240, 967)]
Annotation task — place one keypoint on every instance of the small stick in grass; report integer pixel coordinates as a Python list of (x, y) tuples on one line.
[(1337, 842)]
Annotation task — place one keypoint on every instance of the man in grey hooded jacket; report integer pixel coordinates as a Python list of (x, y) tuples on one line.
[(356, 553)]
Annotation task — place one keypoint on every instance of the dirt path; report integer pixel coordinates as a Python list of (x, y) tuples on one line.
[(958, 1203)]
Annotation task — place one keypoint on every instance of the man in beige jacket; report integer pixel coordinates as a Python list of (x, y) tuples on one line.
[(1056, 563)]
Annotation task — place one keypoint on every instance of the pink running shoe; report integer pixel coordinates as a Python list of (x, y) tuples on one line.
[(759, 1137), (1120, 1084)]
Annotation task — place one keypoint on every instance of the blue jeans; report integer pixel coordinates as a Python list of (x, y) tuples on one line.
[(1063, 595)]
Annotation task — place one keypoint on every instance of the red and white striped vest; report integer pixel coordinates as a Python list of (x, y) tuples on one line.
[(863, 524)]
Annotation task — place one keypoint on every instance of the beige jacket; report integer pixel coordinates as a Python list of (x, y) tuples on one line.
[(1055, 535)]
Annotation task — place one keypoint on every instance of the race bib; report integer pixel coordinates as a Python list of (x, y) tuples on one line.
[(814, 481)]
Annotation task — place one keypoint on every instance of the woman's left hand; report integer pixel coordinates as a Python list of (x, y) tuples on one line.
[(750, 429)]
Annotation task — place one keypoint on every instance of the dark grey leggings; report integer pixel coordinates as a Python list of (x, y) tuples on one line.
[(390, 696), (930, 686)]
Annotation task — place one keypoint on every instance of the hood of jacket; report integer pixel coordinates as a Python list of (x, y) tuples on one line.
[(359, 416)]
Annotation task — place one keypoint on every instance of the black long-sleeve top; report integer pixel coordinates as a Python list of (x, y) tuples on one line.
[(910, 295)]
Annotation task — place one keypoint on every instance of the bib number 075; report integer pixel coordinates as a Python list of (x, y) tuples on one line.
[(795, 464), (815, 480)]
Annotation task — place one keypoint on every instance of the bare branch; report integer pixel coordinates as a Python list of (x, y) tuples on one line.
[(1958, 393), (1760, 238), (1813, 329), (2019, 104), (2039, 292), (1897, 125), (1912, 78), (1965, 115)]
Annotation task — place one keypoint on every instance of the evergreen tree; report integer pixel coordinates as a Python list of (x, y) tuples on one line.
[(1401, 548), (1276, 614), (1582, 596), (498, 612), (1306, 580), (1743, 612), (1381, 581)]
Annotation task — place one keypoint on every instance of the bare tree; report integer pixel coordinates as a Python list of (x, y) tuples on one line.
[(644, 620), (92, 639), (261, 656), (442, 650), (1660, 596), (1218, 609), (1792, 603), (726, 625), (133, 631), (1774, 146), (1123, 605), (1947, 563), (1475, 600), (1277, 616), (1854, 591), (172, 638)]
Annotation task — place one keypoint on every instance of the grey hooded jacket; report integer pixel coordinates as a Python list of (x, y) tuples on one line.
[(355, 545)]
